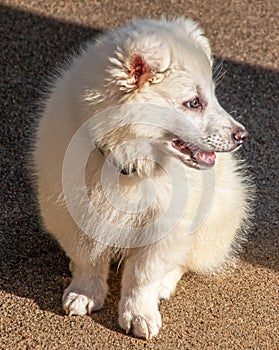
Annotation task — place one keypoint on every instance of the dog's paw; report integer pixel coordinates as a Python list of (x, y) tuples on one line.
[(143, 326), (145, 323), (78, 304)]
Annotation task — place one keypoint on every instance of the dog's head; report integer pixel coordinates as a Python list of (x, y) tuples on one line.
[(167, 64)]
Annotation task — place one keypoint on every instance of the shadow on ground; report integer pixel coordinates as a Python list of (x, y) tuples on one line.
[(33, 265)]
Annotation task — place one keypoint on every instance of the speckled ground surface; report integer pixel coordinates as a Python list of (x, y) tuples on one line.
[(235, 311)]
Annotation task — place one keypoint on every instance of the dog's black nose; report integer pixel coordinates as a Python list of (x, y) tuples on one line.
[(240, 135)]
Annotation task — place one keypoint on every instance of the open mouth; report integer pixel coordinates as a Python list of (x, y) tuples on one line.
[(196, 157)]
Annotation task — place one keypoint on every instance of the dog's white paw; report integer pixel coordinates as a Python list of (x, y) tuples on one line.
[(145, 323), (78, 304)]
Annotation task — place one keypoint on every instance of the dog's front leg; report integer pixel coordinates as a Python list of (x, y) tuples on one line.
[(141, 283), (88, 287)]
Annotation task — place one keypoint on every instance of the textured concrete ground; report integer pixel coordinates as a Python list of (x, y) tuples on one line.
[(234, 311)]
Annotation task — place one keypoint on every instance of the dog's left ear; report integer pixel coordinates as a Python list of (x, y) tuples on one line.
[(139, 62)]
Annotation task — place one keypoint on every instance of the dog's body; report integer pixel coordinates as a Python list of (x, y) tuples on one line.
[(133, 70)]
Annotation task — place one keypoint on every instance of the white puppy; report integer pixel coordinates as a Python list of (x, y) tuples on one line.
[(133, 159)]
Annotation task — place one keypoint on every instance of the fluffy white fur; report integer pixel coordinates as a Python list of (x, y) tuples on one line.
[(159, 63)]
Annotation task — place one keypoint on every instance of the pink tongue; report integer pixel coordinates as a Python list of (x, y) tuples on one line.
[(207, 158)]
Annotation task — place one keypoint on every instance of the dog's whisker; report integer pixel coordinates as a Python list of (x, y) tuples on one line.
[(220, 77), (218, 72)]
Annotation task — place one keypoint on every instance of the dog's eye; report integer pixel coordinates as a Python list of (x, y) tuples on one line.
[(194, 103)]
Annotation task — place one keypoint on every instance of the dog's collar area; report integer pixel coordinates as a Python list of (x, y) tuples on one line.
[(123, 171), (99, 149)]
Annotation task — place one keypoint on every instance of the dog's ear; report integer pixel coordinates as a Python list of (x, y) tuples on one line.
[(144, 60), (197, 33), (193, 29)]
